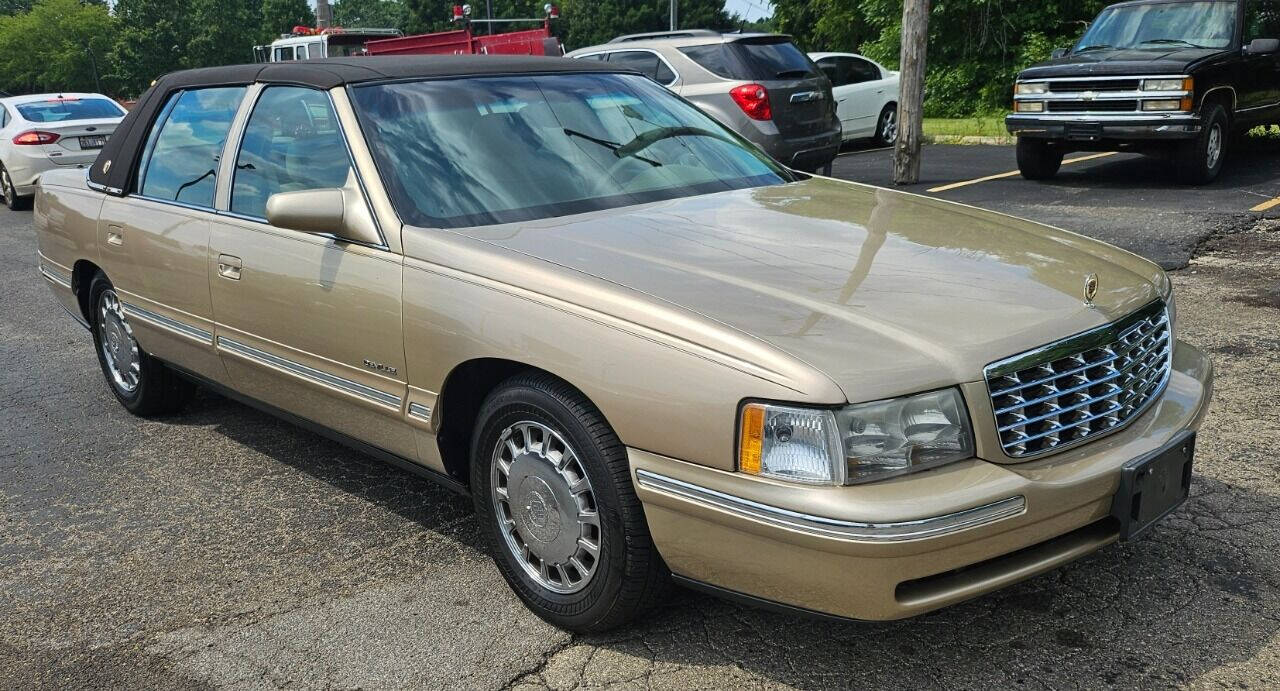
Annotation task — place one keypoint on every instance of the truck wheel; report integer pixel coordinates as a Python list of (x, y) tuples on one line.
[(1037, 160), (142, 384), (552, 488), (1198, 161)]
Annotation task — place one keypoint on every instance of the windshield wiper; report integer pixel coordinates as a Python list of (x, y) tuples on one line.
[(612, 146), (1096, 46), (1170, 40)]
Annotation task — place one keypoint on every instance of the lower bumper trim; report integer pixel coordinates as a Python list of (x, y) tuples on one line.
[(819, 526)]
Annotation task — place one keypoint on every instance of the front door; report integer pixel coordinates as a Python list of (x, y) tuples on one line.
[(1259, 97), (308, 323), (154, 243)]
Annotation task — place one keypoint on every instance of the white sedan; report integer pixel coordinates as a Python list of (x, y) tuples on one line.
[(41, 132), (866, 96)]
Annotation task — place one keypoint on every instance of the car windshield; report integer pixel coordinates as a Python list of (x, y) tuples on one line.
[(466, 152), (63, 109), (1161, 26)]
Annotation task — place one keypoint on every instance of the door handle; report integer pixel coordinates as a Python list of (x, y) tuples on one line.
[(115, 236), (229, 267)]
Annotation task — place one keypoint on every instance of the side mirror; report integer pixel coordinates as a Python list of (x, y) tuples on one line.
[(1262, 46), (1060, 52), (337, 211)]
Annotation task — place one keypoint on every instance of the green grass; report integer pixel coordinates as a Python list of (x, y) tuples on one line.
[(979, 126)]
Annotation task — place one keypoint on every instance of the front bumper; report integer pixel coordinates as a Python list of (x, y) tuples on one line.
[(907, 545), (1173, 126)]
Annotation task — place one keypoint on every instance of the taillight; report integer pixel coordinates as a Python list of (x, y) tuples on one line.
[(753, 99), (35, 137)]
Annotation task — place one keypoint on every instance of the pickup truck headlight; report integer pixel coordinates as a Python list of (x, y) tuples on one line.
[(1167, 104), (855, 444), (1028, 106), (1167, 84), (1024, 88)]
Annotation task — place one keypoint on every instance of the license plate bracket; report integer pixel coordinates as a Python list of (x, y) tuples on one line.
[(93, 142), (1152, 486), (1087, 131)]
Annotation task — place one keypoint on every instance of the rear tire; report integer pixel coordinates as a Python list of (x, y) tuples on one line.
[(1037, 159), (552, 488), (887, 125), (144, 385), (1198, 161), (10, 193)]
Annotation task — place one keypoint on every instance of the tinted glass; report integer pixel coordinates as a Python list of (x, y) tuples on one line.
[(664, 75), (284, 53), (717, 59), (462, 152), (644, 62), (830, 68), (291, 143), (774, 59), (64, 109), (1262, 19), (4, 116), (597, 57), (184, 146), (860, 70), (1161, 26)]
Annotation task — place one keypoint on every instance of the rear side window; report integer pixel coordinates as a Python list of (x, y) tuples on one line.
[(859, 70), (645, 63), (64, 109), (181, 160), (291, 143), (770, 58)]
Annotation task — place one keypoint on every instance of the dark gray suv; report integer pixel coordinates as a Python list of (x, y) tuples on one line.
[(760, 85)]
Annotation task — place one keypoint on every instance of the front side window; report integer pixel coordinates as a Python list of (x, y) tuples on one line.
[(462, 152), (291, 143), (67, 109), (1262, 19), (284, 53), (181, 162), (1161, 26)]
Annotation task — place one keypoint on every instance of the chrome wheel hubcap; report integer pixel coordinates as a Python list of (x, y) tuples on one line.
[(6, 186), (545, 507), (119, 348), (890, 125), (1214, 151)]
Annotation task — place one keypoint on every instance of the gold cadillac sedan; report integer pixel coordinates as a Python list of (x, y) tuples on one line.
[(645, 349)]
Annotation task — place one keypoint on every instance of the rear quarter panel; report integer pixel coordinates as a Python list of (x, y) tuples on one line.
[(66, 219)]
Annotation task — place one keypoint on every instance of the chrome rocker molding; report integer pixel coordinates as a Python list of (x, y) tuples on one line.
[(310, 374), (419, 411), (55, 276), (168, 324), (832, 528)]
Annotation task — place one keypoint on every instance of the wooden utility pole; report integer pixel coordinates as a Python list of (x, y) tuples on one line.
[(915, 38)]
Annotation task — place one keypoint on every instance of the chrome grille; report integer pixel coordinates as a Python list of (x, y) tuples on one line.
[(1081, 387)]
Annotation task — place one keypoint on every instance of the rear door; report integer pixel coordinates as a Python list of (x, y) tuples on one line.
[(800, 96)]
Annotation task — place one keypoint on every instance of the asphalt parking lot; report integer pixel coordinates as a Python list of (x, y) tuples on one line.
[(225, 548)]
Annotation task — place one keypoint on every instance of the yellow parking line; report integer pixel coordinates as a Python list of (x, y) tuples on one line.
[(1266, 205), (988, 178)]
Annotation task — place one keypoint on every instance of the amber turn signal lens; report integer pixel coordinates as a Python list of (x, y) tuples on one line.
[(751, 440)]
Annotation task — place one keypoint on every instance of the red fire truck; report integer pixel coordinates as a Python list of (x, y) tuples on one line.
[(306, 43)]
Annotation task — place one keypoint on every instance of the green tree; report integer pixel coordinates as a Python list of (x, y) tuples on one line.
[(152, 36), (58, 45), (588, 22), (376, 14), (220, 33), (280, 16)]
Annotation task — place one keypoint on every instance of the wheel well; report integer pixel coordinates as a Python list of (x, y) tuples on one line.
[(1225, 97), (459, 403), (82, 274)]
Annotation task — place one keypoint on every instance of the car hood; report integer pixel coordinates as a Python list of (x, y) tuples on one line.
[(883, 292), (1097, 63)]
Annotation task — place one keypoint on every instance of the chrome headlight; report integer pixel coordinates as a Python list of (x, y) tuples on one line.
[(857, 443), (1022, 88), (1166, 84)]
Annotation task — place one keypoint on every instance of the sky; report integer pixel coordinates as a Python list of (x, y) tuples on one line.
[(750, 9)]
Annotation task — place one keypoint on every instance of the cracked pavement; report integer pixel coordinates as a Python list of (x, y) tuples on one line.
[(224, 548)]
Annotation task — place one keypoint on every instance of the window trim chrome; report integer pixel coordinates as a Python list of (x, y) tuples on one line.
[(832, 528), (310, 374), (169, 324)]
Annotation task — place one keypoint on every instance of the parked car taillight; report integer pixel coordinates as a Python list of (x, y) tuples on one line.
[(35, 137), (753, 99)]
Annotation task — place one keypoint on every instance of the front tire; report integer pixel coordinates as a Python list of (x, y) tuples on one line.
[(552, 488), (1198, 161), (1037, 159), (887, 126), (142, 384)]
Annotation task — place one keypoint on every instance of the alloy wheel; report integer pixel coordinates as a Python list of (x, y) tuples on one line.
[(6, 187), (545, 507), (889, 125), (119, 348)]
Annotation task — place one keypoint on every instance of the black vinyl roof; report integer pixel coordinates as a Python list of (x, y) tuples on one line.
[(114, 168)]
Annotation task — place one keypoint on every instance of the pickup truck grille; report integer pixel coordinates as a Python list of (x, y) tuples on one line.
[(1096, 382), (1108, 106), (1066, 86)]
